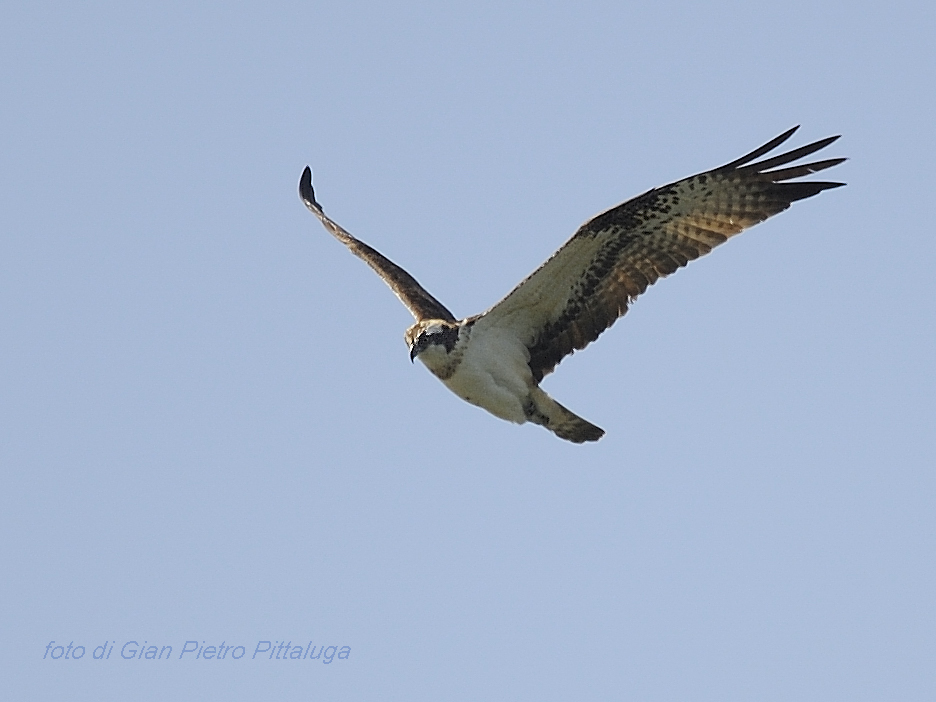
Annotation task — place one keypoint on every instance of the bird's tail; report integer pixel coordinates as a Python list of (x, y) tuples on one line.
[(546, 412)]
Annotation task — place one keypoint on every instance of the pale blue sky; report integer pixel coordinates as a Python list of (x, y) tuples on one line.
[(210, 429)]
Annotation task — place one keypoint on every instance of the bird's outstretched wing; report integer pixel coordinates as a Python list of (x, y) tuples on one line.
[(420, 303), (588, 283)]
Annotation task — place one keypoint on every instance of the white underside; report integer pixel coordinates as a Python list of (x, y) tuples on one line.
[(493, 374)]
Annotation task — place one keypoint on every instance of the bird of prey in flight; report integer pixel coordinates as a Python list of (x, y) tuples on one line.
[(496, 359)]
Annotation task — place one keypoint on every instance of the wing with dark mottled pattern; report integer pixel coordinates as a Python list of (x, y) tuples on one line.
[(588, 283), (420, 303)]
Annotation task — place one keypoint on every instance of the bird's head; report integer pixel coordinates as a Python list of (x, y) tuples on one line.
[(437, 335)]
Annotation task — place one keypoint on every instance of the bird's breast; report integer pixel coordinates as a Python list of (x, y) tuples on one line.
[(492, 372)]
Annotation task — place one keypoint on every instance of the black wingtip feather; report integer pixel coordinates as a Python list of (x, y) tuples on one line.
[(800, 171), (761, 150), (306, 191), (791, 156), (800, 191)]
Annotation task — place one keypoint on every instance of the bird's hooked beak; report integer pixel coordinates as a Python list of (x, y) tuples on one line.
[(413, 352)]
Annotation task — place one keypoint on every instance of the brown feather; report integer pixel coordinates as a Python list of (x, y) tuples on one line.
[(420, 303), (617, 255)]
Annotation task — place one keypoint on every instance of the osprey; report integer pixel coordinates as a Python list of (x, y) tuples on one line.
[(496, 359)]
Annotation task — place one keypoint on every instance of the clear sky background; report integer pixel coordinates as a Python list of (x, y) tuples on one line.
[(210, 429)]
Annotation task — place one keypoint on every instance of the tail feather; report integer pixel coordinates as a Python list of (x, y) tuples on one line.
[(548, 413)]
